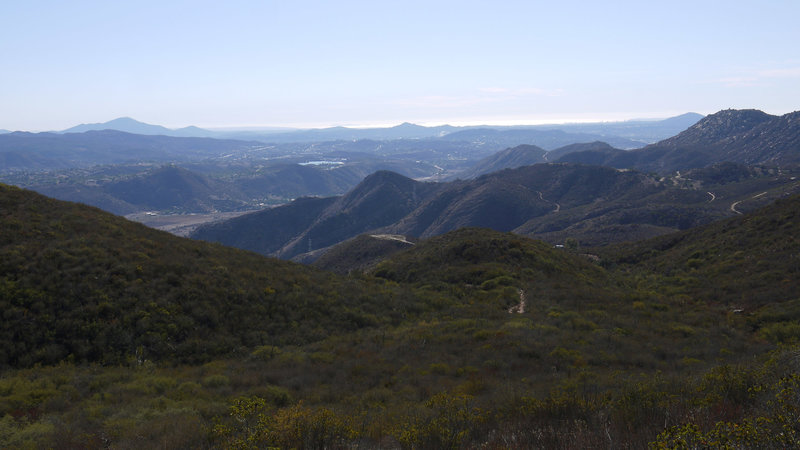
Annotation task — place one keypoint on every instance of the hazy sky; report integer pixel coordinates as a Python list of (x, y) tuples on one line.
[(360, 63)]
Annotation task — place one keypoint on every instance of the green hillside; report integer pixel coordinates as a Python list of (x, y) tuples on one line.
[(82, 285), (115, 335), (748, 264)]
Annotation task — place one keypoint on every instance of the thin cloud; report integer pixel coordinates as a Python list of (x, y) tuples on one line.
[(756, 77), (738, 81), (484, 96), (440, 101), (520, 92), (791, 72)]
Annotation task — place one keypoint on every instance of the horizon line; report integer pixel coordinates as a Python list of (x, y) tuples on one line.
[(463, 122), (442, 123)]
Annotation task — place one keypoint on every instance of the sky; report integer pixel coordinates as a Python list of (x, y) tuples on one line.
[(376, 63)]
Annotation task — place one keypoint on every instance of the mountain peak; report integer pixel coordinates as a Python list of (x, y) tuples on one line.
[(384, 177), (408, 126), (130, 125), (717, 126), (732, 120), (125, 120), (125, 124)]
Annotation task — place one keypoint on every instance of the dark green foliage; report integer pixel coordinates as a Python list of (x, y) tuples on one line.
[(471, 256), (744, 263), (472, 338), (361, 253), (83, 285)]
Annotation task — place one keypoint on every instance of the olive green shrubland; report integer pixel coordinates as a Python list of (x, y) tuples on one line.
[(115, 335)]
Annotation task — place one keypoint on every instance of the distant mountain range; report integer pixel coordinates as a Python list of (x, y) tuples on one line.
[(451, 149), (627, 134), (129, 125)]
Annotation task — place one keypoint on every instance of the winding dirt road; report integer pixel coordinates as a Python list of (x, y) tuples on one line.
[(558, 207), (392, 237), (733, 205)]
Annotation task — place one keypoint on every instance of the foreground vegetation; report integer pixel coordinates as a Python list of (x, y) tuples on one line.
[(232, 403), (470, 339)]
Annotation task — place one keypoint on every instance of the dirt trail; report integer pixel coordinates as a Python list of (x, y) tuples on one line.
[(733, 205), (519, 309), (558, 207), (392, 237)]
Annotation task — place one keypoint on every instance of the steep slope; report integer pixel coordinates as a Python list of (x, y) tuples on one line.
[(379, 200), (717, 127), (507, 199), (775, 142), (315, 223), (741, 136), (266, 231), (82, 284)]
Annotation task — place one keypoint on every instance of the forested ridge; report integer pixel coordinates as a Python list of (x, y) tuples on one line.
[(116, 335)]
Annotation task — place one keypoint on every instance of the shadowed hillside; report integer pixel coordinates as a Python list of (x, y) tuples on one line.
[(591, 204)]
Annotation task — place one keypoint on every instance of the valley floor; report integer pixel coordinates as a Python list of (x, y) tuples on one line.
[(181, 224)]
